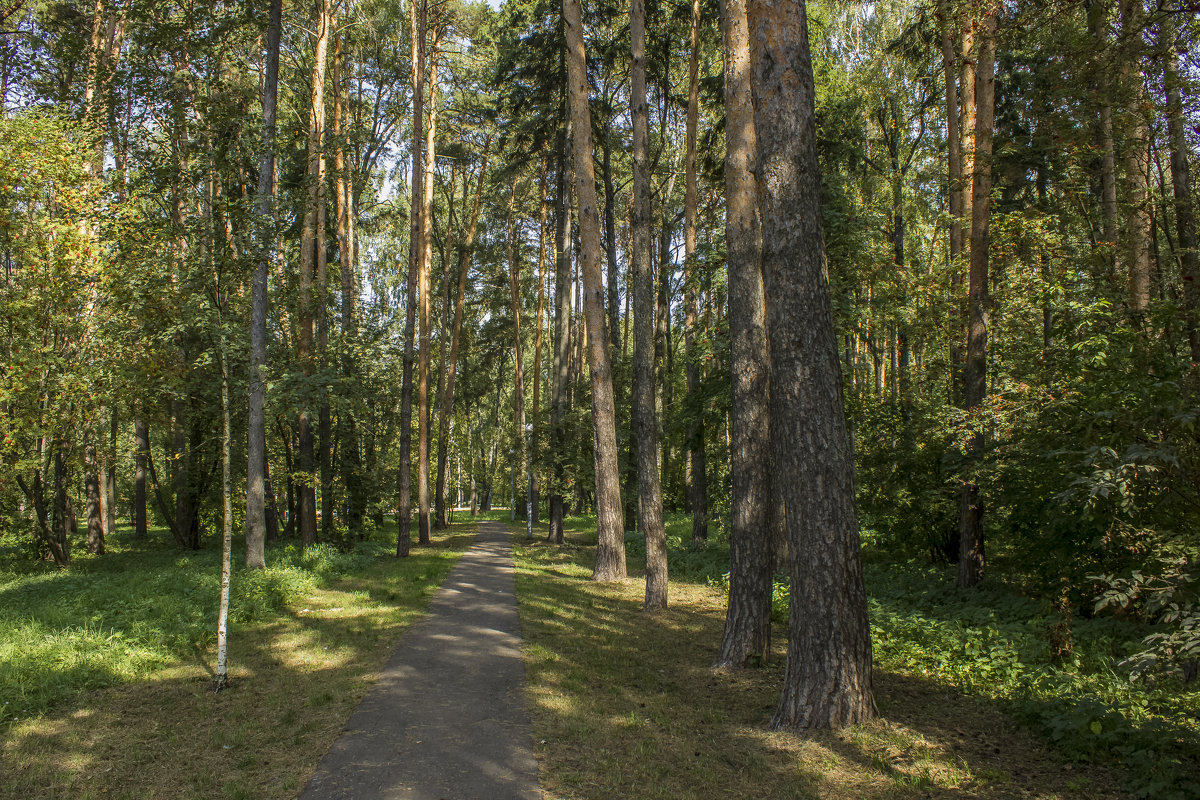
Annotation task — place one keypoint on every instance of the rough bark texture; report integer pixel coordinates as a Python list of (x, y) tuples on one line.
[(610, 551), (256, 443), (645, 415), (970, 553), (562, 341), (1185, 213), (222, 672), (698, 464), (955, 183), (828, 675), (309, 244), (416, 19), (748, 617), (424, 289)]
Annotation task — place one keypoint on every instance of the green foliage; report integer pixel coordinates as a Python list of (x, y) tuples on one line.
[(118, 618)]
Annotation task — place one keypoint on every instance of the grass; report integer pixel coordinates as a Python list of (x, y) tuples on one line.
[(106, 668), (624, 703)]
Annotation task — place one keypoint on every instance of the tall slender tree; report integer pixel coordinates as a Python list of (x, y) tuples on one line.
[(747, 633), (610, 551), (256, 452)]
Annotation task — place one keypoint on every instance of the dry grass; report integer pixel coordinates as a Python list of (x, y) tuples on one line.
[(295, 679), (625, 705)]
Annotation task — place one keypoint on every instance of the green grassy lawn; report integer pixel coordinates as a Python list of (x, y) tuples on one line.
[(625, 704), (106, 668)]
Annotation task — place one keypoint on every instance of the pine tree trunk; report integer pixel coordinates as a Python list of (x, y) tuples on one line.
[(534, 487), (256, 446), (747, 634), (970, 554), (347, 435), (955, 182), (828, 676), (562, 339), (311, 242), (1097, 22), (514, 288), (645, 415), (695, 436), (416, 18), (424, 290), (610, 551)]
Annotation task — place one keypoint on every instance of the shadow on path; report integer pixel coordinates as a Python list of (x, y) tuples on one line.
[(447, 717)]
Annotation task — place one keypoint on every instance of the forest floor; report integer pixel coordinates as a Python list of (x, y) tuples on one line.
[(106, 674), (106, 668), (625, 704)]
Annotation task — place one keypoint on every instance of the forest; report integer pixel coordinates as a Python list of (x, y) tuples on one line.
[(864, 331)]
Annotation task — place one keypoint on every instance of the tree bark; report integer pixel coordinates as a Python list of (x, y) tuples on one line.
[(1137, 161), (610, 551), (645, 416), (698, 461), (256, 446), (424, 289), (747, 634), (310, 243), (828, 675), (222, 672), (562, 338), (955, 186), (416, 18), (970, 554), (1097, 22), (91, 481), (347, 435)]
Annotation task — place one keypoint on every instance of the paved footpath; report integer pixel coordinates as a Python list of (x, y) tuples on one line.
[(447, 719)]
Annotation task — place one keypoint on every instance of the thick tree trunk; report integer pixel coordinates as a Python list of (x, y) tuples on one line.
[(828, 675), (645, 417), (416, 18), (698, 462), (562, 339), (312, 241), (610, 237), (610, 551), (446, 409), (256, 446), (424, 289), (970, 554), (747, 633), (1185, 214)]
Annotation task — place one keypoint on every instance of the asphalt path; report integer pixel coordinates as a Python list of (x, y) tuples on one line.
[(447, 719)]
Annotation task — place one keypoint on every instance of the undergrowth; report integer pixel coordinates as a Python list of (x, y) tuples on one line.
[(993, 643), (118, 617)]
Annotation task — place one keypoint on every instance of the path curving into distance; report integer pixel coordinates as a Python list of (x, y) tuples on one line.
[(447, 719)]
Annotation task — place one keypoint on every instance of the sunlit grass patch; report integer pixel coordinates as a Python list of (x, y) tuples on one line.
[(321, 627), (624, 704)]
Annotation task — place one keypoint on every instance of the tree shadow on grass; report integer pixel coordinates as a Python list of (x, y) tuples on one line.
[(625, 704)]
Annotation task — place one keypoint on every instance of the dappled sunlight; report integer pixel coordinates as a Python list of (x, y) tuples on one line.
[(611, 685)]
